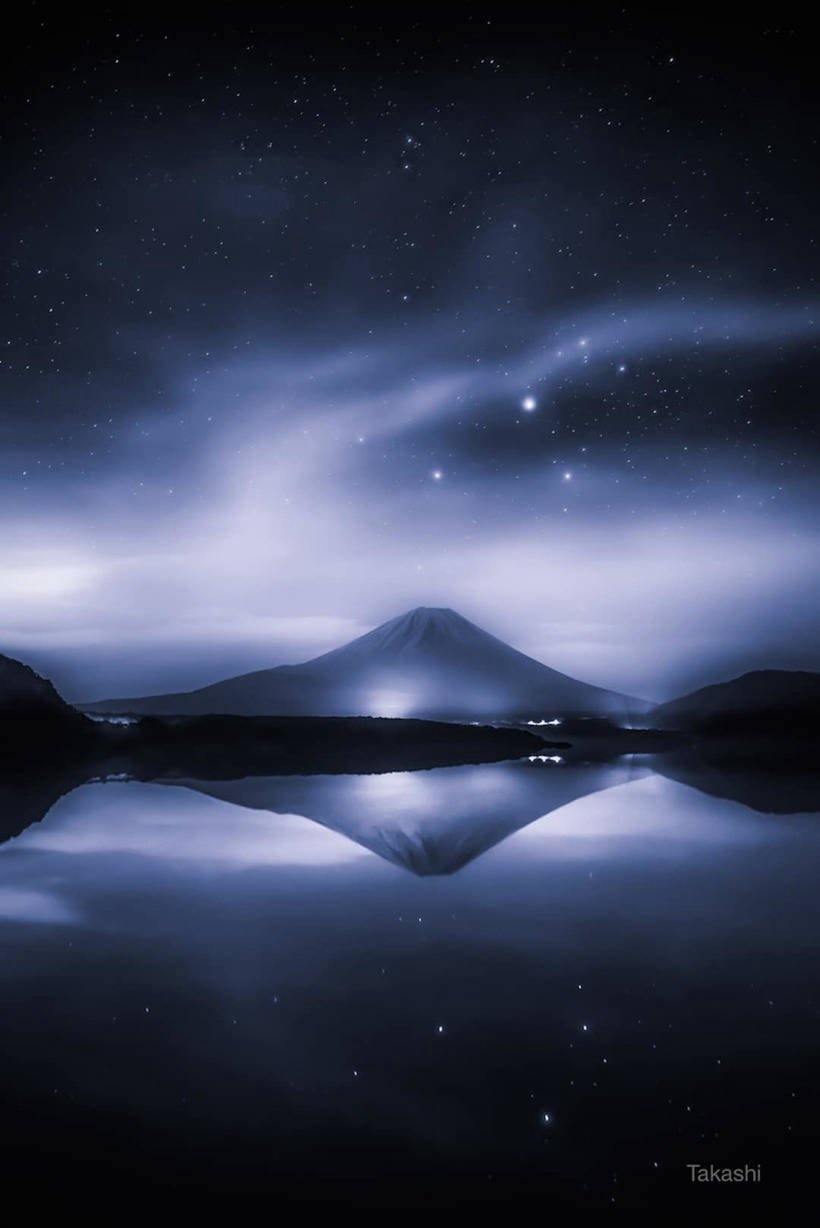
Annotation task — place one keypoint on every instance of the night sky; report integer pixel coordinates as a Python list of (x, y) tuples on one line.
[(305, 326)]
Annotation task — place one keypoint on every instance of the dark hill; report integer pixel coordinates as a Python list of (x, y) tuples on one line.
[(767, 701), (34, 721), (25, 695)]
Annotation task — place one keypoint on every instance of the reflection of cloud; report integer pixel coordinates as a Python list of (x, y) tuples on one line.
[(653, 815), (176, 825), (19, 904)]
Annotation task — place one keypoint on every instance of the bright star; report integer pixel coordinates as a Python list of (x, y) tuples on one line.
[(529, 404), (436, 475)]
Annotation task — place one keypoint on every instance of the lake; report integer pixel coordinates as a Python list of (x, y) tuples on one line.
[(534, 983)]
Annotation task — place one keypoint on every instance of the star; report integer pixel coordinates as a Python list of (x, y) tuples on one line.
[(529, 404), (437, 475)]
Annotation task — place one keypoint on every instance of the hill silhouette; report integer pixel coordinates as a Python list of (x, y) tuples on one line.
[(34, 720), (770, 701)]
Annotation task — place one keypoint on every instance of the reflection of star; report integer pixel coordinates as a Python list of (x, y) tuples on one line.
[(529, 404)]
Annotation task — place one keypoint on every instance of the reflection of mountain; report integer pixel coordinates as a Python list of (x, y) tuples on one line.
[(431, 822), (26, 798), (428, 662), (768, 782), (436, 821)]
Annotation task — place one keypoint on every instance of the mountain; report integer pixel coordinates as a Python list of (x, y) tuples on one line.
[(33, 717), (768, 701), (426, 663), (24, 695)]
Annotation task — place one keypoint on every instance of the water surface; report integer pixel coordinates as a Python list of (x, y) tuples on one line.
[(537, 983)]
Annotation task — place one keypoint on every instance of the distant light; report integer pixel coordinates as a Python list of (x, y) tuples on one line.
[(567, 477), (437, 475), (583, 343), (546, 1118), (529, 404), (622, 368)]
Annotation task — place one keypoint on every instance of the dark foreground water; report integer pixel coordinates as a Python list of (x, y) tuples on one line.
[(532, 983)]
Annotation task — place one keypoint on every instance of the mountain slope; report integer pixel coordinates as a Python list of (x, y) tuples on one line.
[(34, 720), (767, 699), (426, 663), (24, 695)]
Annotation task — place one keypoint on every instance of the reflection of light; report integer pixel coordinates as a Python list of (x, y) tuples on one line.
[(397, 794), (555, 721), (20, 904)]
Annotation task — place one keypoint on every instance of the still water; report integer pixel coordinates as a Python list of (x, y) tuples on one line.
[(536, 983)]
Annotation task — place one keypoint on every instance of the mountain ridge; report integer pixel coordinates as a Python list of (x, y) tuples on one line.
[(25, 694), (428, 662), (755, 697)]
